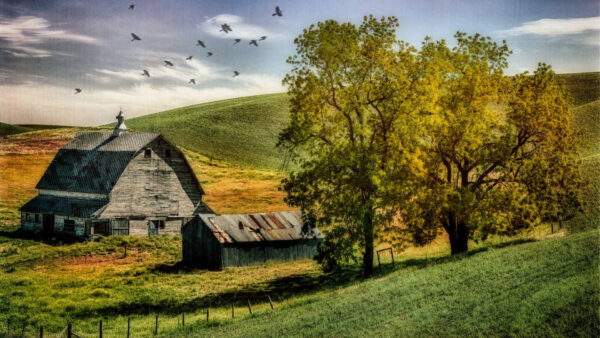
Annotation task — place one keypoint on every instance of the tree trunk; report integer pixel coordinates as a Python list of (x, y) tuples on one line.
[(368, 233), (459, 239)]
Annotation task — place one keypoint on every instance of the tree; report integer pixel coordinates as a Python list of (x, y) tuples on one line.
[(353, 94), (498, 151)]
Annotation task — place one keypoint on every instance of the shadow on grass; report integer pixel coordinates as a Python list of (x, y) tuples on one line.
[(284, 287), (53, 239)]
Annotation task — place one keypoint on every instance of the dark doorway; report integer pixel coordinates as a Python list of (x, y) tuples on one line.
[(153, 227), (48, 223), (101, 228)]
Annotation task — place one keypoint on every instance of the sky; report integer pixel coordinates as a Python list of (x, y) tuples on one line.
[(49, 47)]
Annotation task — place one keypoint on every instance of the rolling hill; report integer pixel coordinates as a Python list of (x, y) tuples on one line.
[(11, 129)]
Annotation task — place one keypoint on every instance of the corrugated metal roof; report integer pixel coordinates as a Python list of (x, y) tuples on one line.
[(272, 226), (63, 206), (93, 161)]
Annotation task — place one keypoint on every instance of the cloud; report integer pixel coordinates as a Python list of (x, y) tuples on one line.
[(32, 102), (24, 33), (555, 27), (240, 29)]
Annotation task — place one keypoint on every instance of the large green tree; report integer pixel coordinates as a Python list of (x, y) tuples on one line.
[(498, 151), (353, 93)]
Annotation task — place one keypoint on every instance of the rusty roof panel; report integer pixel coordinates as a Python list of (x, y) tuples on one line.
[(274, 226)]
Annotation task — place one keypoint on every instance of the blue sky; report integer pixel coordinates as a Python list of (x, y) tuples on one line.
[(48, 48)]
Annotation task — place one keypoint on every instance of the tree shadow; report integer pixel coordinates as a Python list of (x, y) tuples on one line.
[(53, 239)]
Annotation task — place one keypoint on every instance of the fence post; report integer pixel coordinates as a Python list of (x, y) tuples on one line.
[(249, 306), (69, 331), (207, 311), (156, 325), (23, 329), (270, 302), (393, 263), (183, 319), (8, 327), (41, 332), (101, 328), (232, 314), (128, 325), (378, 261), (125, 249)]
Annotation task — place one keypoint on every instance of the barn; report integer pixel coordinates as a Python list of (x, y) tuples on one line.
[(115, 183), (217, 241)]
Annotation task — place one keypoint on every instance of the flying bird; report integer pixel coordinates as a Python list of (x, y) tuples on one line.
[(145, 73), (201, 43), (192, 81), (209, 54), (135, 37), (225, 28), (235, 73), (237, 41), (131, 6), (262, 38), (168, 63), (77, 91), (189, 57), (253, 42), (278, 12)]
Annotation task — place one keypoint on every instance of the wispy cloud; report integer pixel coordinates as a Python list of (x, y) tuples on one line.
[(555, 27), (240, 29), (24, 34)]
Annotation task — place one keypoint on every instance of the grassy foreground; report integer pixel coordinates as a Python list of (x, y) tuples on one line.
[(546, 288)]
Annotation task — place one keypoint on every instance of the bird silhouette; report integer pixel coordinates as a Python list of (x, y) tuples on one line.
[(189, 57), (225, 28), (209, 54), (135, 37), (278, 12), (200, 43), (235, 73), (77, 91), (237, 41), (131, 6), (192, 81), (145, 73), (168, 63), (253, 42), (262, 38)]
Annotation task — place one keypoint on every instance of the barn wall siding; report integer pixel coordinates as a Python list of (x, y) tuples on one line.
[(138, 227), (79, 229), (31, 224), (155, 186), (199, 247)]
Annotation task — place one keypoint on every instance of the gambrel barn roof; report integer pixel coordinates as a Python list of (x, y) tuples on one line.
[(261, 227), (93, 161)]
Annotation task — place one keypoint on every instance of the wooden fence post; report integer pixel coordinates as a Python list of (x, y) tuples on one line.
[(41, 332), (183, 319), (69, 331), (101, 328), (232, 314), (8, 327), (393, 263), (23, 329), (128, 325), (156, 325), (249, 306), (125, 249), (270, 302), (207, 311), (378, 261)]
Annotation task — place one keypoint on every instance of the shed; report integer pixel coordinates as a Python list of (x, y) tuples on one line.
[(213, 241)]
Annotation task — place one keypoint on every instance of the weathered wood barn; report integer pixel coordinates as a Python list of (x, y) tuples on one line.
[(118, 182), (216, 241)]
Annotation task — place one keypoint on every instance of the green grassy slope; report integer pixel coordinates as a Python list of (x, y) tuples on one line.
[(239, 131), (583, 87), (10, 129), (547, 288)]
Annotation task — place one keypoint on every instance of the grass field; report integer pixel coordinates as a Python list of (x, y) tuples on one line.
[(547, 287)]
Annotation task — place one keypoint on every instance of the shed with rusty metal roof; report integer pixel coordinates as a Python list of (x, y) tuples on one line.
[(213, 241)]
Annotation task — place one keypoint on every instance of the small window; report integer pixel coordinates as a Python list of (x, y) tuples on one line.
[(28, 217), (69, 225), (241, 225), (168, 153), (147, 153), (161, 224), (37, 218)]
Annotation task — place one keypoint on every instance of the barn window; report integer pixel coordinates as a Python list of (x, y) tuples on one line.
[(147, 153), (120, 226), (37, 218), (168, 153), (161, 224), (27, 217), (69, 225)]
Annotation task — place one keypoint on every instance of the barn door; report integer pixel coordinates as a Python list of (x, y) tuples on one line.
[(48, 223)]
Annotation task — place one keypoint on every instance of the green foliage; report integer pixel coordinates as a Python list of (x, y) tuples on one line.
[(11, 129), (240, 131), (352, 94)]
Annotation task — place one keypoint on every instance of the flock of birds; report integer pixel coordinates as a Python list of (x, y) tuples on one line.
[(199, 43)]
